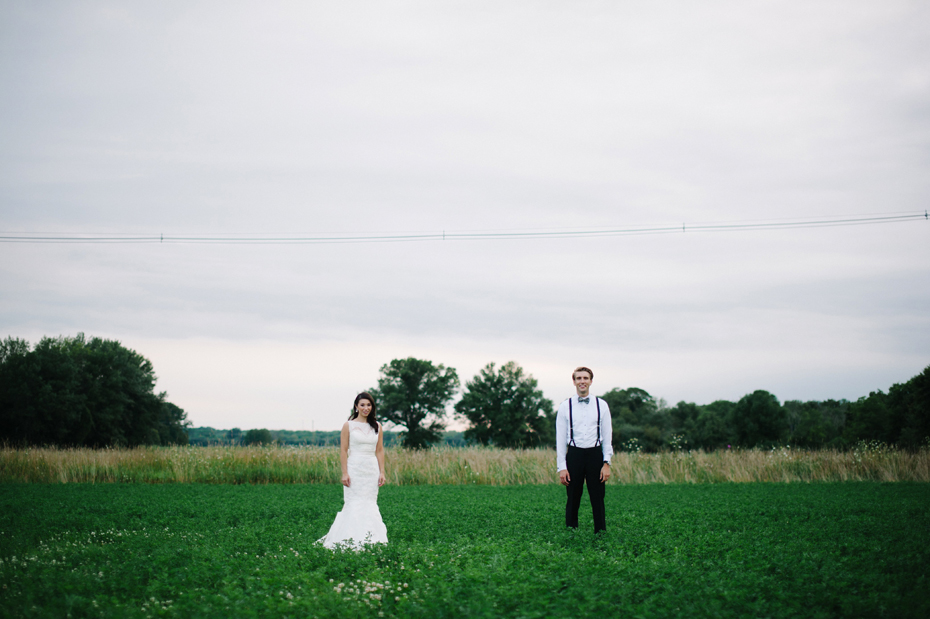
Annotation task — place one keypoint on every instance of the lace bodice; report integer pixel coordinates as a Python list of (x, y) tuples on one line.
[(362, 438)]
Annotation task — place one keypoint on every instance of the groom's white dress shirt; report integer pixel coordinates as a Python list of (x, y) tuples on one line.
[(584, 416)]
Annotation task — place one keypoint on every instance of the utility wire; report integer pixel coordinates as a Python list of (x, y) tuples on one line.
[(684, 228)]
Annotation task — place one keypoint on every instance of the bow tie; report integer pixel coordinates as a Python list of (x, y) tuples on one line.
[(584, 400)]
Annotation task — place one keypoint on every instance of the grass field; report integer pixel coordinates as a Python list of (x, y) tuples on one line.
[(460, 466), (722, 550)]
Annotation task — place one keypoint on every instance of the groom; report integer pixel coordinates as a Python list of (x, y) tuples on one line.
[(583, 451)]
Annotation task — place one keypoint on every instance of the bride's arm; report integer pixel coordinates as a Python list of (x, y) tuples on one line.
[(344, 454), (379, 452)]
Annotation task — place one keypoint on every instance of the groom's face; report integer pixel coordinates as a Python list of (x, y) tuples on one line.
[(582, 382)]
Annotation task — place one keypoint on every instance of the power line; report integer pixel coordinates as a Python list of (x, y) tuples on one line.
[(565, 233)]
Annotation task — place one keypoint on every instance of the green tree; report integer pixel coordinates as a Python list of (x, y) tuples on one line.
[(815, 424), (636, 414), (758, 419), (712, 428), (632, 406), (902, 416), (74, 391), (506, 409), (912, 399), (834, 414), (258, 437), (413, 393), (870, 419), (683, 417), (173, 425)]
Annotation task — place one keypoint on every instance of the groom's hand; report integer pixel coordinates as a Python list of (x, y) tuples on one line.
[(605, 473), (564, 477)]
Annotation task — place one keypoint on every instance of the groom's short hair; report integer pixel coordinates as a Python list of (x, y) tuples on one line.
[(582, 368)]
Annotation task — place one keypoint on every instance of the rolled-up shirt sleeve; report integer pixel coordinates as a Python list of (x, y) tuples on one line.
[(606, 432)]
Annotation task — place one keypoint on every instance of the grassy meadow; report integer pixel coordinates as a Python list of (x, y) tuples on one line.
[(450, 465), (683, 550)]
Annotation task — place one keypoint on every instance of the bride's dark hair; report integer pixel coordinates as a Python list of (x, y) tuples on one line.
[(372, 418)]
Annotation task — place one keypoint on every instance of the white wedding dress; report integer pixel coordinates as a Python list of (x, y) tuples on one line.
[(359, 522)]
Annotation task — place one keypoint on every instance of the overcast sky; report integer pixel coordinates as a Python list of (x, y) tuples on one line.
[(341, 118)]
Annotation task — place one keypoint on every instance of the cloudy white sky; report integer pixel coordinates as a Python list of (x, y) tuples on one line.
[(277, 119)]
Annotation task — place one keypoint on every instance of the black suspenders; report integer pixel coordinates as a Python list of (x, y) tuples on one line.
[(571, 423)]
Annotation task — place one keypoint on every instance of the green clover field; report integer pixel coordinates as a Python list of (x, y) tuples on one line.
[(713, 550)]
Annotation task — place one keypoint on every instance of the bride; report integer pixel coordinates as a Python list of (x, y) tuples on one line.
[(362, 457)]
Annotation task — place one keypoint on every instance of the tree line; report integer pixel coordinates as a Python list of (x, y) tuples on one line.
[(79, 392), (504, 406), (74, 391), (899, 418)]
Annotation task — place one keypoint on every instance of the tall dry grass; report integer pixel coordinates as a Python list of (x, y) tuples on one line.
[(444, 465)]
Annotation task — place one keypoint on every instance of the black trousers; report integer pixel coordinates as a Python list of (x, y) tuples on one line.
[(584, 465)]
